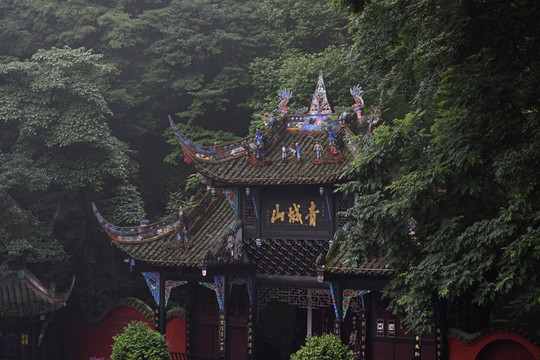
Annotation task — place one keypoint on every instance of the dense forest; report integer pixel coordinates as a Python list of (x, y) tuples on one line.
[(86, 87)]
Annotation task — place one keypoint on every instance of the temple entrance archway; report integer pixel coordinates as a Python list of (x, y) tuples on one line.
[(287, 314), (281, 330)]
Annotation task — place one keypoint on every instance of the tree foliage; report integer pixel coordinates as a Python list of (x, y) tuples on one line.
[(139, 342), (462, 164), (57, 152), (55, 115)]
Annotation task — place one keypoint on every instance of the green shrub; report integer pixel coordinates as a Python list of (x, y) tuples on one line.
[(139, 342), (324, 347)]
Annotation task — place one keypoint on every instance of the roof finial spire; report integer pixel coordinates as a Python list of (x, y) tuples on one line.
[(319, 103)]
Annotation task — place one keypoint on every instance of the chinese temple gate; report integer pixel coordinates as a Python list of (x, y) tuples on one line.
[(262, 256)]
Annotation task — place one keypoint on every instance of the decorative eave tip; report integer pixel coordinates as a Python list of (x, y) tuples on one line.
[(44, 292), (218, 152), (139, 233)]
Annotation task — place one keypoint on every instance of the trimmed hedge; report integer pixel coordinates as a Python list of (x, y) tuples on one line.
[(140, 342), (324, 347)]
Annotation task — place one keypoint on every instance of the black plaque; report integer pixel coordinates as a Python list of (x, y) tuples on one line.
[(297, 213), (363, 336), (250, 332), (221, 332)]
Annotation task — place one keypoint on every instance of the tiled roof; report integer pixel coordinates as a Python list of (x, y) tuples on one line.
[(206, 240), (207, 225), (273, 256), (339, 264), (237, 170), (337, 261), (205, 236), (23, 295)]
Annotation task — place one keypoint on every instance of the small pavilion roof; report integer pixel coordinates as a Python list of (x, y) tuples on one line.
[(23, 295)]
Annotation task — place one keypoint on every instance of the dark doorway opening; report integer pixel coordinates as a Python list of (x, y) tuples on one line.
[(281, 330)]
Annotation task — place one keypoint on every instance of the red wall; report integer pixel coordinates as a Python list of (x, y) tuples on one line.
[(86, 340), (176, 334), (496, 346)]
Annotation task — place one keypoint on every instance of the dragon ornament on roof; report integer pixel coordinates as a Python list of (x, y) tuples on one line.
[(357, 94), (286, 96)]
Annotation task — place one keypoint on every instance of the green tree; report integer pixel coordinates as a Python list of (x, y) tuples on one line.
[(139, 342), (324, 347), (303, 25), (54, 114), (209, 45), (200, 55), (114, 29), (462, 165), (56, 150)]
